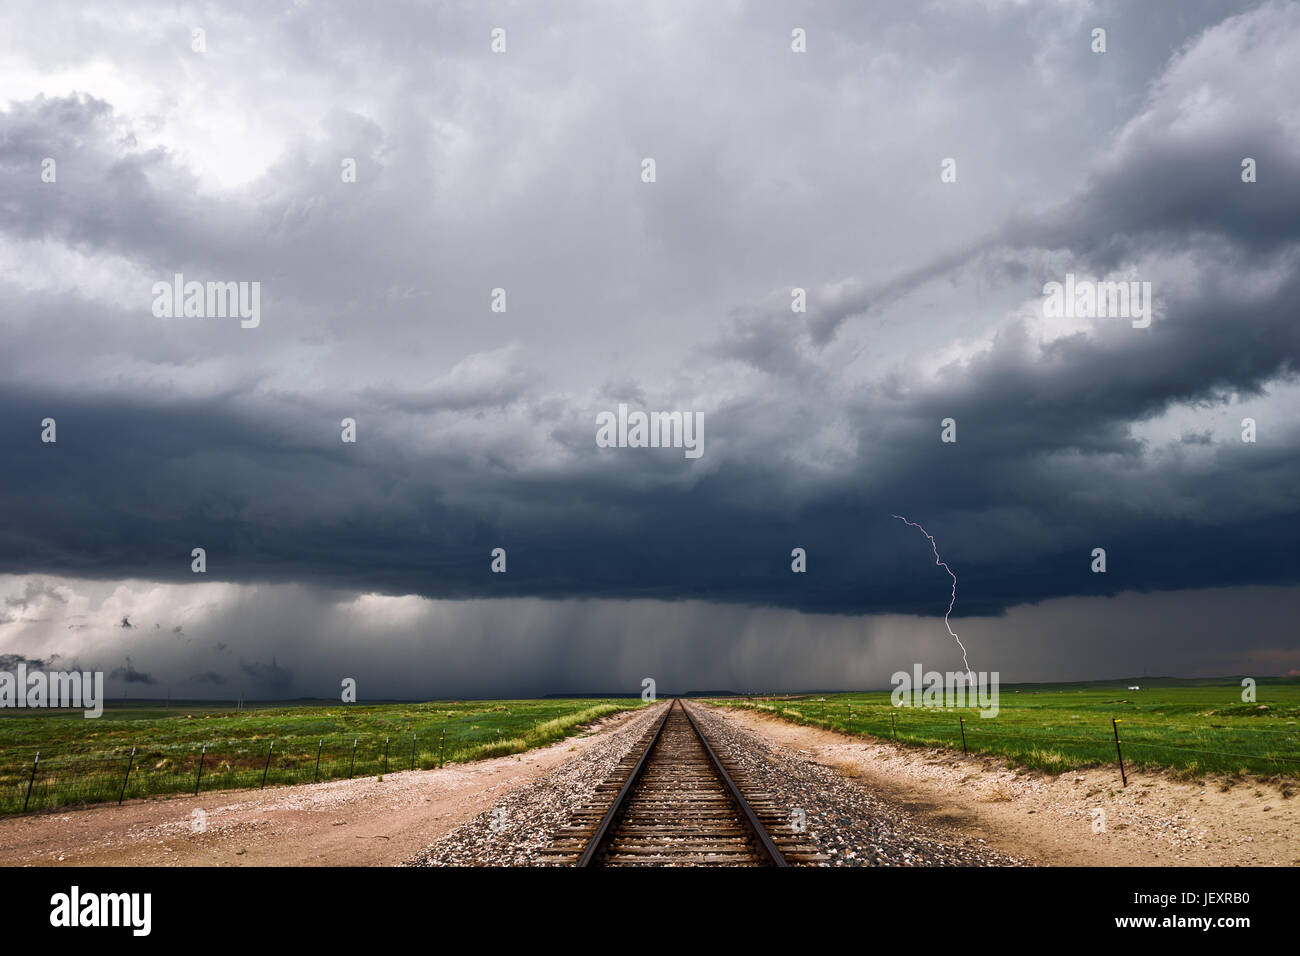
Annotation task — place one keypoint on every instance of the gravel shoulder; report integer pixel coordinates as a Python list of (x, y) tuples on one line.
[(1054, 820), (360, 822)]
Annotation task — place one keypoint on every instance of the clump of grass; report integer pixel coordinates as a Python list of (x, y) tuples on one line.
[(1048, 761), (849, 768), (1191, 772), (497, 748)]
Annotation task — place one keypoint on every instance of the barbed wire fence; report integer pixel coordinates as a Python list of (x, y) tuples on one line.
[(47, 780), (42, 778)]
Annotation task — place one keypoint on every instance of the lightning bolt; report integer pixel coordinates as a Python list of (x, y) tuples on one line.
[(951, 603)]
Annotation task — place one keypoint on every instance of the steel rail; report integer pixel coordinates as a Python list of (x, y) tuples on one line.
[(597, 842), (751, 820)]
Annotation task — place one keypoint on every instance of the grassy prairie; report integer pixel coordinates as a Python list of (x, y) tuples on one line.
[(1191, 726), (85, 761)]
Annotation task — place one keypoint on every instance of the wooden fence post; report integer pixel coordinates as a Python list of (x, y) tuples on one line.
[(31, 780), (129, 761), (199, 779), (1114, 723)]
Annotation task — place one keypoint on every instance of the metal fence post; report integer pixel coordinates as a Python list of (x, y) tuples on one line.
[(386, 742), (318, 747), (893, 731), (440, 740), (130, 761), (353, 766), (31, 780), (202, 753), (269, 751), (412, 751), (962, 722), (1114, 723)]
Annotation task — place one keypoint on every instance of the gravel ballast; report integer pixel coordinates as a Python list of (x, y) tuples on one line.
[(516, 830), (847, 821)]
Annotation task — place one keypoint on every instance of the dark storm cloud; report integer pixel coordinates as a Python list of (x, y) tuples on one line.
[(127, 673), (207, 677), (1048, 487), (269, 678), (33, 590), (9, 662), (184, 435)]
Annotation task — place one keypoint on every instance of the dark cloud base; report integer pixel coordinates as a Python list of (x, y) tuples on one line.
[(128, 491)]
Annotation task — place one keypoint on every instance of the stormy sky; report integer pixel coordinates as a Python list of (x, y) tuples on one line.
[(224, 155)]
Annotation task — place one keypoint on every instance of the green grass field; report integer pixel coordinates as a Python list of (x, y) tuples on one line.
[(85, 761), (1193, 727)]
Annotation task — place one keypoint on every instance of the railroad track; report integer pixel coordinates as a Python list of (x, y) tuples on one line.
[(675, 801)]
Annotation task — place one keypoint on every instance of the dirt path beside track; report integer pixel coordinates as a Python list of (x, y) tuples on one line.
[(361, 822), (1053, 820)]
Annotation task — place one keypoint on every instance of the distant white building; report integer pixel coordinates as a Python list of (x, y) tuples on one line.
[(1135, 687)]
